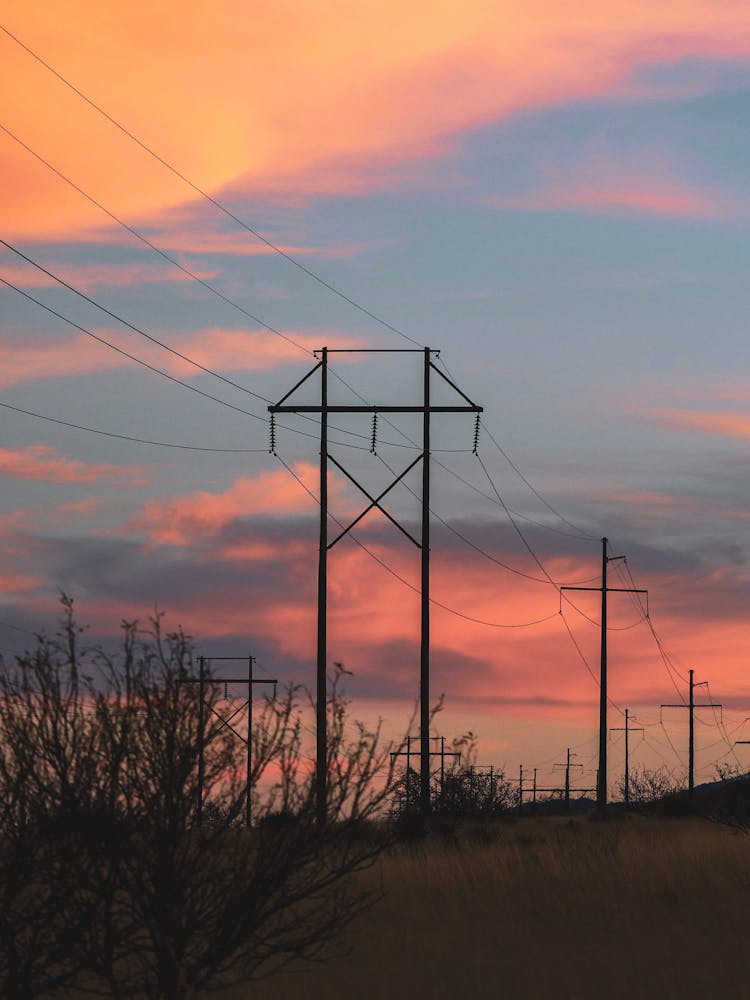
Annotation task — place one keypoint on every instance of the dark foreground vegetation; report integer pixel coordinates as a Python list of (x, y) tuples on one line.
[(118, 878)]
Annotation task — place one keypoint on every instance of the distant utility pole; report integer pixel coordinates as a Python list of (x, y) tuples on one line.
[(426, 408), (567, 765), (520, 790), (533, 793), (627, 729), (691, 707), (739, 742), (201, 680), (601, 792), (442, 753)]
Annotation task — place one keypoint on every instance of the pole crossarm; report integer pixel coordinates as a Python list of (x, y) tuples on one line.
[(708, 704), (370, 408)]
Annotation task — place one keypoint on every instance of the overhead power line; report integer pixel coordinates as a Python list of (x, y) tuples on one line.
[(256, 319), (205, 195), (128, 437), (128, 324), (403, 580), (152, 246), (581, 534), (126, 354)]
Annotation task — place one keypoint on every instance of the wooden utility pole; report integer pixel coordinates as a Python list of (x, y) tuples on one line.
[(325, 407), (601, 793), (691, 707), (627, 729)]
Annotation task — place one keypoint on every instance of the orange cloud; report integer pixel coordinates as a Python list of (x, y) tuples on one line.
[(283, 93), (645, 183), (186, 520), (219, 349), (674, 200), (87, 278), (733, 425), (47, 464)]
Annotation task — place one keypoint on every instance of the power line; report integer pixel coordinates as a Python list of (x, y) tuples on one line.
[(126, 354), (152, 246), (523, 517), (166, 375), (537, 494), (293, 260), (405, 582), (578, 532), (204, 194), (200, 281), (128, 324), (128, 437)]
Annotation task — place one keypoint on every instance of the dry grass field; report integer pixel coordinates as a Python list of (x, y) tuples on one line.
[(634, 908)]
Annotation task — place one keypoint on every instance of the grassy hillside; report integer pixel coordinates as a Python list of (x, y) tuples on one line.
[(634, 908)]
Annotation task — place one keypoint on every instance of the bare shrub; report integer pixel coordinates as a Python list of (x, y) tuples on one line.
[(116, 877)]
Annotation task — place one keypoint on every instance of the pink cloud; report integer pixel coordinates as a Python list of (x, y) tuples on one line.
[(215, 348), (86, 278), (721, 424), (646, 184), (44, 463), (183, 520)]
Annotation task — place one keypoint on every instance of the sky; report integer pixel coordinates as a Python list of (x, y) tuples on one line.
[(554, 199)]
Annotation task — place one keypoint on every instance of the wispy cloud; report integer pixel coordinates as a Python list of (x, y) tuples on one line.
[(44, 463), (340, 101), (719, 423), (220, 349), (642, 183)]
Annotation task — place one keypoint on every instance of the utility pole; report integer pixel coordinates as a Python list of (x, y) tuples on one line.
[(426, 408), (520, 790), (601, 793), (691, 707), (201, 680), (567, 765), (627, 729), (533, 794)]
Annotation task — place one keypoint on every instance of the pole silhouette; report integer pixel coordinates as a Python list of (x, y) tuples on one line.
[(627, 729), (691, 707), (601, 781), (325, 407)]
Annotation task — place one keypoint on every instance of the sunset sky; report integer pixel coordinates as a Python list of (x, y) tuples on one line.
[(555, 196)]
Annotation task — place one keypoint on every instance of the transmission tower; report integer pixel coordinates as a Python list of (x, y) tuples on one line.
[(426, 408)]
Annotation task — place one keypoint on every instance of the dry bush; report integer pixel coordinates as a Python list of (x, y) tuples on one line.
[(117, 876)]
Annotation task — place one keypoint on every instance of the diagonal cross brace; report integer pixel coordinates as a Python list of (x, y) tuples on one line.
[(375, 501)]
